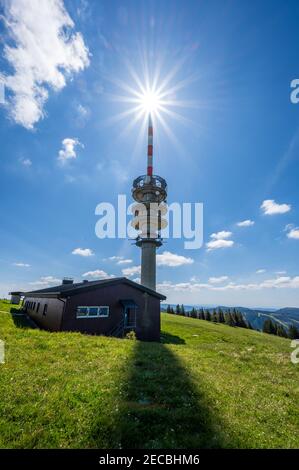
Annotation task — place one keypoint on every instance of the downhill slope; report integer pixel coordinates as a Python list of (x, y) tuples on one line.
[(205, 385)]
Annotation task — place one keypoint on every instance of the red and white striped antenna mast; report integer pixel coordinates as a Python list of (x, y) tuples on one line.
[(150, 136)]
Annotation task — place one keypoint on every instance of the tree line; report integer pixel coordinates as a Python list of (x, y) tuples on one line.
[(274, 328), (233, 317)]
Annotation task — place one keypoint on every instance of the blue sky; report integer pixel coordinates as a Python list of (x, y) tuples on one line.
[(64, 148)]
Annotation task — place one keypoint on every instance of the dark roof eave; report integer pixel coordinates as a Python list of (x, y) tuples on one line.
[(92, 286)]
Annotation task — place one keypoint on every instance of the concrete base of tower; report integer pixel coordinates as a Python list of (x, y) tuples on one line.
[(148, 263)]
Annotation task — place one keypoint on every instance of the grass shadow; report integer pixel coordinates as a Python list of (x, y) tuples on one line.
[(20, 319), (164, 408), (167, 338), (161, 406)]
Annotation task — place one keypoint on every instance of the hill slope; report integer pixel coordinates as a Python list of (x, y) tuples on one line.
[(206, 385)]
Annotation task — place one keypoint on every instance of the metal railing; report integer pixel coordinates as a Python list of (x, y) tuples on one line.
[(154, 180)]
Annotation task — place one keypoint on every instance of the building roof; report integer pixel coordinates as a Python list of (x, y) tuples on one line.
[(66, 290)]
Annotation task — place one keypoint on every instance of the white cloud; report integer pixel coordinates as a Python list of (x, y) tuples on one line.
[(270, 207), (22, 265), (68, 150), (119, 259), (82, 252), (294, 233), (131, 271), (284, 282), (99, 274), (137, 279), (223, 234), (46, 281), (216, 244), (280, 272), (219, 240), (260, 271), (172, 259), (26, 161), (42, 51), (218, 280), (246, 223)]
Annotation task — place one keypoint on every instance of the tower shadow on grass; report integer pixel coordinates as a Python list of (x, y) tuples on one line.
[(162, 407)]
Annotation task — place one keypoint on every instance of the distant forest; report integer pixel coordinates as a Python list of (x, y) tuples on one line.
[(233, 317)]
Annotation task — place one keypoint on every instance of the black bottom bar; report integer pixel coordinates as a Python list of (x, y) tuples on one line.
[(141, 458)]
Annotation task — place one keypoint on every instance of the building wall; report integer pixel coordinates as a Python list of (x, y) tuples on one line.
[(52, 319), (147, 325)]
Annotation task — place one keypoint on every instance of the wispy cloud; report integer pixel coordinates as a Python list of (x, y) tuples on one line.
[(46, 281), (22, 265), (82, 252), (98, 274), (42, 51), (260, 271), (270, 207), (26, 161), (245, 223), (119, 259), (172, 259), (68, 150), (218, 280), (131, 271)]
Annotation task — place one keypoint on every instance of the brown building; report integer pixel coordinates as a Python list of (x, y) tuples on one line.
[(110, 307)]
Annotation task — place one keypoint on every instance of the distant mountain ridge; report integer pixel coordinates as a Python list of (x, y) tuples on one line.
[(285, 316)]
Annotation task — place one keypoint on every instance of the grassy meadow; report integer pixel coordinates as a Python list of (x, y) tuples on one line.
[(205, 385)]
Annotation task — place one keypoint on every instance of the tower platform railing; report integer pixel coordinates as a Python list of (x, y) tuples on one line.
[(153, 180)]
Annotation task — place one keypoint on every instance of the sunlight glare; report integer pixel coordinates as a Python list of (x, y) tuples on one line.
[(150, 102)]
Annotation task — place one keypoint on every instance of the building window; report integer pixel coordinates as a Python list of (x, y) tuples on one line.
[(92, 312), (45, 309), (37, 308)]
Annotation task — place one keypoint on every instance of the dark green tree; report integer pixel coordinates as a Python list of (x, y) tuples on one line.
[(269, 327), (193, 313), (207, 315), (178, 310), (214, 316), (280, 331), (293, 332), (168, 310), (240, 320), (183, 310), (220, 316), (229, 319), (201, 314), (235, 317)]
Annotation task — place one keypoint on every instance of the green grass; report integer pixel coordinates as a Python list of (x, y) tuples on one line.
[(205, 385)]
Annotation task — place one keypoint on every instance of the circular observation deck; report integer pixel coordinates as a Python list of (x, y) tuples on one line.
[(149, 189)]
